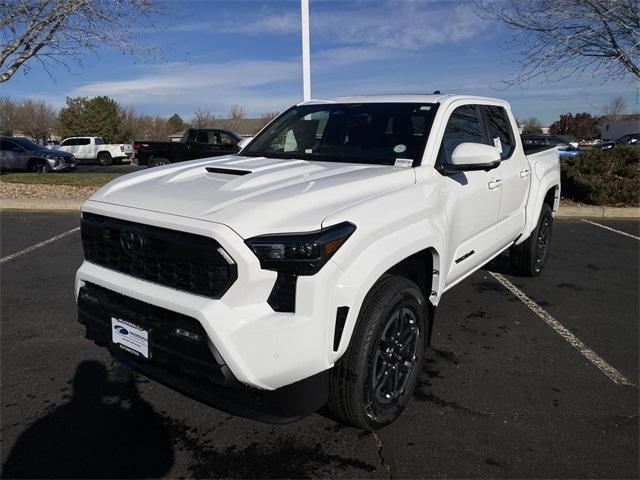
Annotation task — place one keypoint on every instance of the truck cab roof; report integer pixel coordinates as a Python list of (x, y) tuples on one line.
[(406, 98)]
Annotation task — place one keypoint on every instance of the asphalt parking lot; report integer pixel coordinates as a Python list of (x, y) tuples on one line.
[(503, 394)]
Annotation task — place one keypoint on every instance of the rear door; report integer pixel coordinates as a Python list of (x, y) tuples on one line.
[(84, 149), (471, 198), (515, 173)]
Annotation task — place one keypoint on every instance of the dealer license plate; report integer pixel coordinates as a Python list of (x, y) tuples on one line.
[(130, 337)]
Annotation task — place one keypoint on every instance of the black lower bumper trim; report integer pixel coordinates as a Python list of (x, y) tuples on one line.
[(284, 405), (199, 377)]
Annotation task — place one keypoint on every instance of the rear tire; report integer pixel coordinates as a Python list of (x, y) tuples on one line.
[(105, 159), (40, 166), (158, 162), (374, 380), (529, 258)]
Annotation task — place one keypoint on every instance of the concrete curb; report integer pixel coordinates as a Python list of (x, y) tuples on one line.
[(566, 211), (40, 204)]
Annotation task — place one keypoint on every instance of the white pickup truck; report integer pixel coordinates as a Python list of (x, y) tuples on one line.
[(94, 148), (306, 269)]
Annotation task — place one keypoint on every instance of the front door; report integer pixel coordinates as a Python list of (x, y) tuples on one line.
[(471, 199)]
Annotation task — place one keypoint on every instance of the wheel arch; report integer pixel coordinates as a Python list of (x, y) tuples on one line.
[(549, 195), (421, 265)]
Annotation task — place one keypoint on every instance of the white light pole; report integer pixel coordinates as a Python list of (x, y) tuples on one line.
[(306, 55)]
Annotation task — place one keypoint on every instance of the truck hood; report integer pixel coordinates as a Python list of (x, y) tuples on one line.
[(254, 195)]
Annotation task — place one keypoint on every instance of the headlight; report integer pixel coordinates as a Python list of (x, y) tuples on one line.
[(300, 253)]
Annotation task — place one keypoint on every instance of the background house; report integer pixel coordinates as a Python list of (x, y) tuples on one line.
[(612, 129)]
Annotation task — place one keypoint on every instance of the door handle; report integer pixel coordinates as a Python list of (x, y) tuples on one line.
[(525, 173), (493, 184)]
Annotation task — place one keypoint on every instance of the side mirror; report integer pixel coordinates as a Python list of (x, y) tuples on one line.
[(474, 156)]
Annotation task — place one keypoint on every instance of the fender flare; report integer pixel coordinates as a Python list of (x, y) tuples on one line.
[(358, 279)]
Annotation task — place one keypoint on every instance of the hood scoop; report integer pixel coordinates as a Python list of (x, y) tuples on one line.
[(228, 171)]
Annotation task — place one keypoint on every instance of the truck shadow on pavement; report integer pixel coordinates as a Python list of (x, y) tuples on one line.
[(105, 431)]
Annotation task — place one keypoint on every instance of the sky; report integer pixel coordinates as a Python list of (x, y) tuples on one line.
[(217, 54)]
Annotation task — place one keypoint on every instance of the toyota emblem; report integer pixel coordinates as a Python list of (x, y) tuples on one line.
[(131, 242)]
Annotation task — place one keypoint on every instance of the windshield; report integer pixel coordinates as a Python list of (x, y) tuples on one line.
[(28, 144), (382, 133)]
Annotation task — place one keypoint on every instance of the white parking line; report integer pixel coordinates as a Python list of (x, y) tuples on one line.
[(38, 245), (614, 375), (611, 229)]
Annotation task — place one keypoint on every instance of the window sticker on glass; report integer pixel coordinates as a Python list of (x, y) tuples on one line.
[(498, 144), (400, 148), (403, 162)]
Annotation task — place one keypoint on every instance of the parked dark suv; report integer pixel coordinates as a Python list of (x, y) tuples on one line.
[(22, 154)]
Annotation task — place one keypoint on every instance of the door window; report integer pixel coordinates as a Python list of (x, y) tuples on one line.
[(500, 132), (207, 136), (69, 143), (463, 126), (83, 141), (227, 139), (9, 146)]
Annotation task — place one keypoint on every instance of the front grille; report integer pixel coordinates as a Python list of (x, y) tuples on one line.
[(169, 346), (180, 260)]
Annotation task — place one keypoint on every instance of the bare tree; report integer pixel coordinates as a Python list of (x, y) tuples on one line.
[(8, 116), (614, 109), (203, 119), (560, 38), (145, 127), (35, 118), (530, 125), (268, 116), (235, 117), (56, 32)]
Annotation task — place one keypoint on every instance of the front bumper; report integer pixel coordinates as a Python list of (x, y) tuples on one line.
[(190, 363), (261, 349), (62, 165)]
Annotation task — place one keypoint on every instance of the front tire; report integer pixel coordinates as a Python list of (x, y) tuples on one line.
[(40, 166), (105, 159), (529, 258), (374, 380)]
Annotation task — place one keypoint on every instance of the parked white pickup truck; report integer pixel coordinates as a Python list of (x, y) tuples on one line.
[(94, 148), (307, 268)]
